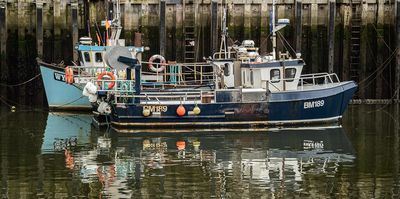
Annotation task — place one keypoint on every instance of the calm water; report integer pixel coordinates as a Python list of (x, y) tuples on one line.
[(55, 155)]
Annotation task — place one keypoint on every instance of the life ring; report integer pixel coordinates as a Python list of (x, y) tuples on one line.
[(69, 75), (162, 62), (106, 73)]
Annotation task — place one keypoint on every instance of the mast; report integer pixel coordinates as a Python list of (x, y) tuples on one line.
[(116, 22), (223, 47)]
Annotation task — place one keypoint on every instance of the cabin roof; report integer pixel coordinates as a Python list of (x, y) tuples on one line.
[(91, 48), (294, 62)]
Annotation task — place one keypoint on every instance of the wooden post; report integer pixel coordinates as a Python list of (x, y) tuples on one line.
[(3, 45), (299, 7), (346, 14), (331, 35), (397, 77), (381, 50), (39, 28), (162, 27), (214, 26), (264, 28), (247, 21), (314, 37), (75, 33), (179, 31)]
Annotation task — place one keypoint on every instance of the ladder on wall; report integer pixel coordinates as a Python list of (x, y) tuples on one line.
[(355, 28), (189, 32)]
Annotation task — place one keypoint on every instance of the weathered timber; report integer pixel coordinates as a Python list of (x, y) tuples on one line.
[(397, 70), (162, 27), (331, 34)]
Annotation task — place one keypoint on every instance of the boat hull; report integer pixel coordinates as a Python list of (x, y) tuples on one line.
[(60, 95), (322, 105), (325, 105)]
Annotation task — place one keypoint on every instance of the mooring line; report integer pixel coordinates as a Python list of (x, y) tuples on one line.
[(19, 84)]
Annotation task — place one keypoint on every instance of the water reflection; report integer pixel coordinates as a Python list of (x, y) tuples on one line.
[(60, 155)]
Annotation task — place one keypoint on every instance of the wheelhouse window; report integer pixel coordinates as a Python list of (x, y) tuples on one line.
[(98, 57), (275, 75), (86, 56), (290, 73)]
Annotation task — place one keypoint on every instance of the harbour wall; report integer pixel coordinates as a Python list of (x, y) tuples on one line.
[(357, 39)]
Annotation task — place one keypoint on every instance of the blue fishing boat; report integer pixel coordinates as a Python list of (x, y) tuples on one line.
[(237, 86), (63, 92)]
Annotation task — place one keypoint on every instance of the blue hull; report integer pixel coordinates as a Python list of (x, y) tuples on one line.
[(311, 106), (323, 105), (59, 94)]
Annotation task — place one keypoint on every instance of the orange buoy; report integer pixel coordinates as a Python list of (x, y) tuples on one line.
[(106, 73), (180, 111), (180, 145)]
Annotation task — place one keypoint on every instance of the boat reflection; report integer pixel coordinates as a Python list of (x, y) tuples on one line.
[(66, 130), (280, 159)]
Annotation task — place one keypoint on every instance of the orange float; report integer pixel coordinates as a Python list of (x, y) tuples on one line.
[(181, 145), (180, 111)]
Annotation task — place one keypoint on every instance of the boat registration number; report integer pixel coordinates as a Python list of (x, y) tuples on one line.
[(59, 77), (314, 104), (156, 108)]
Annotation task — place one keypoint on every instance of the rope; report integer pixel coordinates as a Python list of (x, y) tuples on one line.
[(8, 103), (19, 84)]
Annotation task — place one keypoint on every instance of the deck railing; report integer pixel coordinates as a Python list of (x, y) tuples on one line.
[(313, 79)]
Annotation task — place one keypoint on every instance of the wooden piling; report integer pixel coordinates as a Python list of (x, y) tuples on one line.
[(380, 48), (39, 29), (22, 49), (264, 28), (75, 34), (162, 27), (179, 31), (298, 16), (3, 45), (345, 15), (214, 26), (314, 37), (331, 35), (397, 71), (247, 21)]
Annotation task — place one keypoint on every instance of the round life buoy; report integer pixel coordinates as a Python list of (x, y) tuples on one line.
[(69, 75), (162, 63), (109, 74)]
